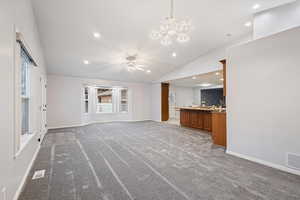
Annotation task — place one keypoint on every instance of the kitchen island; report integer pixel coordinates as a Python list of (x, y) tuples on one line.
[(207, 119), (200, 118)]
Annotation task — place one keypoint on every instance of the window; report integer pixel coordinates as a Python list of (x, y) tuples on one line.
[(86, 100), (111, 100), (123, 100), (25, 98), (104, 100)]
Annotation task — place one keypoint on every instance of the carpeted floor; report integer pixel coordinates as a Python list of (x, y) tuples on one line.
[(148, 161)]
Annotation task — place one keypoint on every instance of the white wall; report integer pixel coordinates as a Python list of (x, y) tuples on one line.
[(184, 95), (18, 14), (276, 20), (65, 101), (263, 99), (156, 102), (197, 96)]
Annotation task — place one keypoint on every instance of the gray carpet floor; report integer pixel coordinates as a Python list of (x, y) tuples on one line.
[(148, 161)]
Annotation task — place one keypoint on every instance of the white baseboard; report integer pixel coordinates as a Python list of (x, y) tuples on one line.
[(23, 181), (266, 163), (65, 126), (96, 122)]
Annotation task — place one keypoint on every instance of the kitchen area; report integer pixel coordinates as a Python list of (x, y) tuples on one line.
[(199, 102)]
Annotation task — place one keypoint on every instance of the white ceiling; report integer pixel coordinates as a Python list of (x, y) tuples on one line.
[(212, 78), (67, 26)]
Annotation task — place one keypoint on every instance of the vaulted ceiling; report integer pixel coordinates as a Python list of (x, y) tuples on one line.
[(66, 28)]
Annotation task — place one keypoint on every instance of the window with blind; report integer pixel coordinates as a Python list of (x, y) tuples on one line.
[(25, 88)]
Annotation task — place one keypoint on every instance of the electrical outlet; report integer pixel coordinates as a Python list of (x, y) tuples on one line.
[(3, 193)]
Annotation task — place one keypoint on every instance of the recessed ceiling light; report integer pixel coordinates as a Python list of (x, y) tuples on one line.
[(86, 62), (205, 84), (256, 6), (148, 71), (248, 24), (194, 77), (96, 35), (222, 79), (174, 54), (217, 73)]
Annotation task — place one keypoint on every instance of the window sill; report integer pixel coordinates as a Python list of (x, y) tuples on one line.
[(24, 140)]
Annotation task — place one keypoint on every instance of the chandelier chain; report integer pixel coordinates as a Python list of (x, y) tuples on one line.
[(172, 9)]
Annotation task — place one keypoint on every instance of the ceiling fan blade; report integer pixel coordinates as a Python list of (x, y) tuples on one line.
[(140, 68)]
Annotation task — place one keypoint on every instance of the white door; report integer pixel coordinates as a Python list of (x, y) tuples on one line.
[(34, 100), (43, 106)]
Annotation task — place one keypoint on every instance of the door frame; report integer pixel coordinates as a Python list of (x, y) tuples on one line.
[(43, 106), (165, 101)]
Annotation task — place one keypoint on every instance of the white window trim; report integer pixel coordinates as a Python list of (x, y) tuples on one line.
[(116, 100), (24, 140), (86, 99), (21, 141), (120, 100)]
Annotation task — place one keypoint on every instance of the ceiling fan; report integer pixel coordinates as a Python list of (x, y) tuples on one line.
[(133, 64)]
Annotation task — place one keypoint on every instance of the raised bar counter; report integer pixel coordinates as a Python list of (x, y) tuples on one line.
[(207, 119)]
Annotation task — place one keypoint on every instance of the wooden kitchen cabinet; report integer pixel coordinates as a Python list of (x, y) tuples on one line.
[(210, 121), (200, 120), (196, 119), (193, 119), (219, 129), (207, 122), (184, 118)]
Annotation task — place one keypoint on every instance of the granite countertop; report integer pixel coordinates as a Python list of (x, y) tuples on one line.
[(203, 109)]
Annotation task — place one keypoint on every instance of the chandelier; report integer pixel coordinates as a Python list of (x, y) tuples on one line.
[(172, 29), (133, 65)]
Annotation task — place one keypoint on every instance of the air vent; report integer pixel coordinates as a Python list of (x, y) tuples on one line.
[(293, 161), (38, 174)]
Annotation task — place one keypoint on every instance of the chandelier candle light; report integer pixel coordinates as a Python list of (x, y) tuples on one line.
[(172, 29)]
